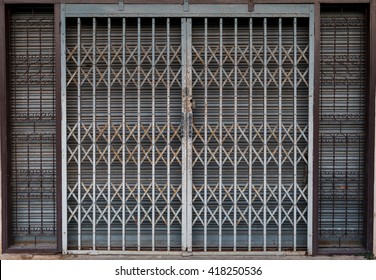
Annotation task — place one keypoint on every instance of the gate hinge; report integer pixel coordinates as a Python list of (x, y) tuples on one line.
[(121, 5), (186, 6), (251, 6)]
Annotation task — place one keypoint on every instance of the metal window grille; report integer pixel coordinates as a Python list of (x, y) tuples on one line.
[(342, 181), (32, 129)]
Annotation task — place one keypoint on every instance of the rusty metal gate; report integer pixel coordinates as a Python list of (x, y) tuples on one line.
[(342, 184), (186, 133), (32, 120)]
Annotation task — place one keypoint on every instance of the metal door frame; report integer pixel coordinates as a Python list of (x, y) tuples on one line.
[(370, 88), (186, 14), (5, 10)]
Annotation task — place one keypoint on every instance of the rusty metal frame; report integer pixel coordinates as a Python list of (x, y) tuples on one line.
[(370, 7), (3, 127), (371, 122), (4, 132), (370, 163)]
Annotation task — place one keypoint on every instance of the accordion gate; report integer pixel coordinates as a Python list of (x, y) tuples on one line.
[(187, 133)]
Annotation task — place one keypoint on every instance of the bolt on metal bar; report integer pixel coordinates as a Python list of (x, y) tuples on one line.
[(295, 130), (153, 134), (235, 128), (109, 134), (123, 197), (250, 139), (265, 131), (206, 138), (189, 135), (64, 205), (168, 138), (94, 130), (184, 131), (279, 134), (310, 129), (79, 129), (138, 134), (220, 130)]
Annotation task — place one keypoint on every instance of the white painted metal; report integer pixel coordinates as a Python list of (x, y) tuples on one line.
[(295, 128), (94, 186), (265, 135), (220, 132), (153, 134), (235, 186), (310, 129), (206, 139), (189, 129), (168, 137), (197, 10), (123, 135), (184, 230), (138, 134), (280, 100), (250, 136), (79, 184), (64, 209)]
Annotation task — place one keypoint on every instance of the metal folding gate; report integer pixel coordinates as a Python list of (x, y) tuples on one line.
[(187, 133)]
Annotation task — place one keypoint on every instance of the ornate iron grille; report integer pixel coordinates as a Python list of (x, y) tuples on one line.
[(342, 128), (250, 133), (32, 129)]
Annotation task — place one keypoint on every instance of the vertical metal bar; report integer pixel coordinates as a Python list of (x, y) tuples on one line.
[(370, 150), (250, 159), (311, 127), (123, 135), (94, 130), (265, 128), (57, 106), (206, 139), (316, 135), (64, 207), (168, 140), (184, 133), (235, 127), (220, 131), (138, 134), (109, 134), (153, 134), (79, 129), (4, 151), (295, 128), (280, 134), (189, 134)]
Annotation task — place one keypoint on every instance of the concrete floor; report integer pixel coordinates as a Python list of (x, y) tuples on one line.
[(169, 257)]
